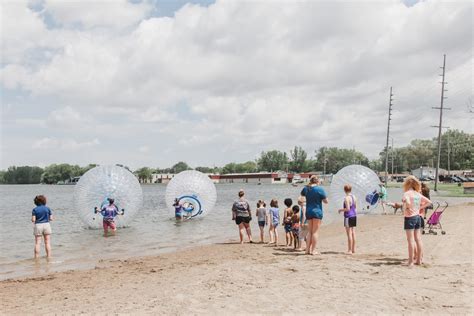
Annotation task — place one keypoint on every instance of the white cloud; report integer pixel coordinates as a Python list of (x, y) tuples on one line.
[(144, 149), (64, 144), (242, 76), (46, 143)]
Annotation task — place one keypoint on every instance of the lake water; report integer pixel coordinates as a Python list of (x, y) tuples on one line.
[(150, 233)]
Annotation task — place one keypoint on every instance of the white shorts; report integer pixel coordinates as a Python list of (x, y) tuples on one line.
[(42, 229)]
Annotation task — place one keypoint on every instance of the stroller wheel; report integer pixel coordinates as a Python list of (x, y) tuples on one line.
[(422, 232), (443, 232), (435, 233)]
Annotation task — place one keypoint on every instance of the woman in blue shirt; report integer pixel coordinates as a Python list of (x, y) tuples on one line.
[(315, 196), (41, 216)]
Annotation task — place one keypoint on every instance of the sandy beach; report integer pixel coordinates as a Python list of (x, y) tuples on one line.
[(230, 278)]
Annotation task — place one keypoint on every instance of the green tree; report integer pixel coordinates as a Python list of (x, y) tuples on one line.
[(144, 174), (2, 176), (23, 175), (247, 167), (87, 168), (208, 169), (60, 172), (272, 160), (298, 159), (180, 166), (333, 159), (460, 147)]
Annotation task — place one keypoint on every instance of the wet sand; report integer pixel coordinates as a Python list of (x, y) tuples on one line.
[(230, 278)]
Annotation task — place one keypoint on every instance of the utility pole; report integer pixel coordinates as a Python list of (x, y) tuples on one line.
[(440, 126), (388, 135)]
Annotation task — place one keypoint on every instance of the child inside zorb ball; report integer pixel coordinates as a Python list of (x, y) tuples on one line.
[(190, 194)]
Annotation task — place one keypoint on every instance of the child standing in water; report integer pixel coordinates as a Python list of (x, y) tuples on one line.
[(274, 214), (109, 212), (261, 214), (349, 208), (178, 210), (287, 222), (295, 227), (41, 216), (413, 205)]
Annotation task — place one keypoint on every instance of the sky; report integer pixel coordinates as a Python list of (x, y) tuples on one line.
[(151, 83)]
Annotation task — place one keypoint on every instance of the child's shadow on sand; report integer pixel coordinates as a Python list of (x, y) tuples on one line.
[(386, 261), (288, 252)]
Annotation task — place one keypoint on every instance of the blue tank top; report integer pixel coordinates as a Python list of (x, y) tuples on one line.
[(352, 210)]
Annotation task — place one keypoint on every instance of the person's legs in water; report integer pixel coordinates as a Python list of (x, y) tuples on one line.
[(47, 245), (419, 247), (105, 226), (113, 227), (249, 231), (411, 245), (37, 246)]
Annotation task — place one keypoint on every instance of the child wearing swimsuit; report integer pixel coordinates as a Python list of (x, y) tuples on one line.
[(295, 226), (274, 214)]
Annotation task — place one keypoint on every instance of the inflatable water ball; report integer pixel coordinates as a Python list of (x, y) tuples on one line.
[(193, 191), (99, 184), (365, 187)]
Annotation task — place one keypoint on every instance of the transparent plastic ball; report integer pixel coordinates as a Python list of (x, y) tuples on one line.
[(104, 182), (192, 190), (365, 187)]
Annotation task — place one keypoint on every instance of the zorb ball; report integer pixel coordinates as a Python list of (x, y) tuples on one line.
[(364, 183), (104, 182), (194, 191)]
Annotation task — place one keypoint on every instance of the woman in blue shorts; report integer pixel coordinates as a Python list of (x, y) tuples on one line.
[(315, 196)]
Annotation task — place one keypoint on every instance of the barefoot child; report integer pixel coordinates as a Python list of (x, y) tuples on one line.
[(40, 217), (413, 205), (303, 222), (295, 227), (261, 214), (350, 217), (274, 214), (287, 222)]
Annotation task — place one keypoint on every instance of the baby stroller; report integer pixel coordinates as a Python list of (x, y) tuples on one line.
[(434, 222)]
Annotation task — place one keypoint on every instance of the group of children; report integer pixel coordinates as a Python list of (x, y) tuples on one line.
[(292, 221), (414, 203)]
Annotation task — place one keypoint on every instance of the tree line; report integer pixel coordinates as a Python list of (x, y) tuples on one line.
[(457, 152)]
